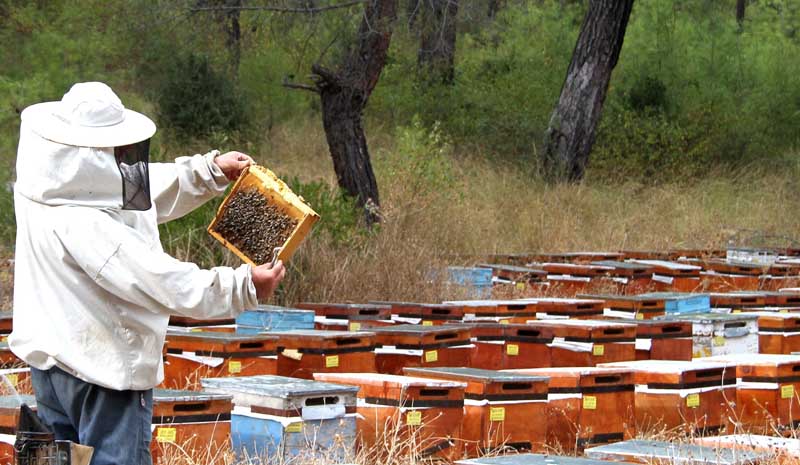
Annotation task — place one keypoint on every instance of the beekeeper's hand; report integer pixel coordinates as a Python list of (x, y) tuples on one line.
[(266, 278), (233, 163)]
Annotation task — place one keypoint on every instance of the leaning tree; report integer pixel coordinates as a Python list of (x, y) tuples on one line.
[(573, 124)]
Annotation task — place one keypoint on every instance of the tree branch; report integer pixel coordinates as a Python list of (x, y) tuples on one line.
[(293, 85), (306, 10)]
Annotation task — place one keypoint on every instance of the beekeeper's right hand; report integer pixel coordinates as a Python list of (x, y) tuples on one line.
[(266, 278)]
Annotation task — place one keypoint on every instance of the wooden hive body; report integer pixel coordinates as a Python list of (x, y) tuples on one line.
[(282, 419), (778, 333), (426, 314), (187, 421), (278, 194), (721, 334), (421, 346), (690, 397), (495, 308), (194, 355), (6, 325), (305, 352), (566, 308), (580, 343), (535, 459), (498, 407), (664, 340), (423, 412), (766, 392), (502, 346), (631, 307), (589, 405)]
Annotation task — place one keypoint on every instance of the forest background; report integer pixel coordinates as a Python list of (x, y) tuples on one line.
[(697, 145)]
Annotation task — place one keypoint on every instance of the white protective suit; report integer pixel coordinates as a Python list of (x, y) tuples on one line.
[(93, 288)]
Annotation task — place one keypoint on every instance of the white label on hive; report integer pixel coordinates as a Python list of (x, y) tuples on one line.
[(166, 434), (719, 341)]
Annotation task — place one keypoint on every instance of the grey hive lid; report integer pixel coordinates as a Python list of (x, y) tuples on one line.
[(219, 336), (479, 374), (535, 459), (411, 329), (170, 395), (276, 386), (320, 333), (677, 453), (709, 317), (279, 309)]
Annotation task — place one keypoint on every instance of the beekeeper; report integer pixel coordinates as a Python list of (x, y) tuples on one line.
[(93, 288)]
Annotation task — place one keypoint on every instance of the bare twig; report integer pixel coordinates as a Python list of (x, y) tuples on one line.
[(293, 85), (306, 10)]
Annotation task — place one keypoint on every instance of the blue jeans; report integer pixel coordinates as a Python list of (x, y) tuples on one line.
[(115, 423)]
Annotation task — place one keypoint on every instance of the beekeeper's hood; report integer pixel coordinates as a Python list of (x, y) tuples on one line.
[(86, 149)]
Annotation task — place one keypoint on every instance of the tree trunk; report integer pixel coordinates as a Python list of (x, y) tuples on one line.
[(233, 35), (494, 7), (436, 57), (571, 132), (344, 94), (741, 6)]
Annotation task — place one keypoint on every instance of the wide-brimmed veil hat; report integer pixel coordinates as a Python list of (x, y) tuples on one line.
[(89, 115)]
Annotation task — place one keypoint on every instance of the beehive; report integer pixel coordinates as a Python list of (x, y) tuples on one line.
[(536, 459), (721, 334), (589, 405), (421, 346), (424, 412), (194, 355), (502, 346), (9, 418), (690, 397), (583, 343), (498, 408), (635, 307), (766, 388), (276, 193), (778, 333), (273, 318), (304, 352), (187, 420), (426, 314), (663, 340), (280, 419)]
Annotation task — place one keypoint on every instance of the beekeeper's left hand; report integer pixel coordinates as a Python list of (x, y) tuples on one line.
[(233, 163)]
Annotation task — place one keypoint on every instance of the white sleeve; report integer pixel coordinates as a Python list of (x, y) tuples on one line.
[(120, 261), (178, 188)]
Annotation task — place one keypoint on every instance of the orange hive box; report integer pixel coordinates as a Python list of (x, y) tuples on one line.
[(305, 352), (553, 307), (195, 355), (587, 405), (664, 340), (6, 324), (736, 300), (188, 422), (502, 309), (629, 278), (9, 418), (633, 307), (277, 193), (424, 313), (501, 346), (8, 359), (690, 397), (396, 410), (784, 450), (498, 408), (583, 343), (673, 276), (766, 392), (778, 333), (348, 317), (421, 346), (574, 257)]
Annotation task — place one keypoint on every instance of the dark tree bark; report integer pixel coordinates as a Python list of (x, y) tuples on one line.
[(344, 93), (741, 6), (412, 11), (233, 35), (436, 57), (494, 7), (571, 132)]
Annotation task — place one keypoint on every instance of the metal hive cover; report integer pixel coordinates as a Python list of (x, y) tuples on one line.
[(676, 453), (709, 317), (170, 395), (277, 386), (479, 374), (535, 459), (222, 336), (321, 333), (411, 329)]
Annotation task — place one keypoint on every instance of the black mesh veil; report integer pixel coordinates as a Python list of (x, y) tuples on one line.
[(132, 161)]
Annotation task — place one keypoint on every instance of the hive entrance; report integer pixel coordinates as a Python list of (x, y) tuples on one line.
[(255, 226)]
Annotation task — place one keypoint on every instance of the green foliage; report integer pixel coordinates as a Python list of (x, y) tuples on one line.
[(196, 100), (340, 217)]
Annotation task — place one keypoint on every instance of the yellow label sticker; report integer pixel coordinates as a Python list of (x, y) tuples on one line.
[(166, 434), (414, 418), (196, 330), (512, 349), (787, 392), (639, 316), (234, 366), (693, 400), (598, 350), (736, 311), (13, 378), (785, 310), (497, 414), (503, 322), (431, 356), (719, 341), (331, 361), (427, 323), (590, 402), (294, 427), (355, 326), (521, 285)]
